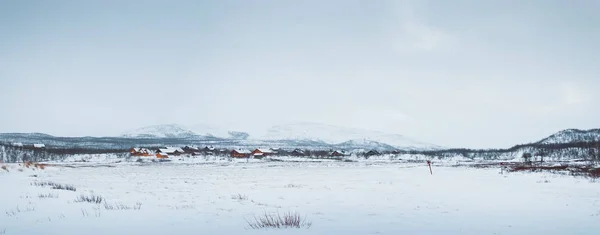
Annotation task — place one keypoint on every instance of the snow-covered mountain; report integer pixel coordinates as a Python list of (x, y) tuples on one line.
[(305, 132), (180, 131), (208, 130), (160, 131), (365, 145), (338, 135), (572, 136)]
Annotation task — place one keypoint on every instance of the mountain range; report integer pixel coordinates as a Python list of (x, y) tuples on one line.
[(294, 135), (299, 131)]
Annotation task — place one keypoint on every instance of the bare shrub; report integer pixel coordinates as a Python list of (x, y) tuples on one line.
[(65, 187), (47, 195), (4, 168), (239, 197), (54, 185), (276, 220), (90, 198)]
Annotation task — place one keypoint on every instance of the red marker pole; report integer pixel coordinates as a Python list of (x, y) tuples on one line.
[(429, 164)]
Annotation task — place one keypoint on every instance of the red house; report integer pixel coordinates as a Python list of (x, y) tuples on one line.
[(262, 152), (240, 153), (337, 154)]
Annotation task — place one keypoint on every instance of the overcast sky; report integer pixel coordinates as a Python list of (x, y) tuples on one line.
[(462, 73)]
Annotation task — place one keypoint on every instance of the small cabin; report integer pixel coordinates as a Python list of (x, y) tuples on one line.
[(262, 152), (240, 153), (170, 151), (298, 153), (162, 155), (140, 152), (190, 150), (337, 153), (372, 153), (39, 146)]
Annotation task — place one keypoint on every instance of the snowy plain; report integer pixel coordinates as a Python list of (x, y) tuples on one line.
[(337, 197)]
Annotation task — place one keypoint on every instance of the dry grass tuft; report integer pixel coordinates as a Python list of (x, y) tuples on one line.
[(276, 220), (90, 198), (48, 195), (119, 206)]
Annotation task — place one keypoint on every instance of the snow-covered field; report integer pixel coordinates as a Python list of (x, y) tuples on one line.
[(337, 197)]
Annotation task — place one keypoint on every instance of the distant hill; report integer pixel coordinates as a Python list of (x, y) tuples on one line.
[(572, 136), (343, 136)]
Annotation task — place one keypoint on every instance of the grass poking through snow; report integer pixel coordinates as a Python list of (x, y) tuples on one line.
[(119, 206), (47, 195), (90, 198), (239, 197), (276, 220)]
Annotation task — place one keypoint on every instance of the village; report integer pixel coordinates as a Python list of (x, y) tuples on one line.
[(258, 153)]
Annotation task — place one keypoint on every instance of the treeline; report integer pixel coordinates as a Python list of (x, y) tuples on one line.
[(9, 153), (588, 151)]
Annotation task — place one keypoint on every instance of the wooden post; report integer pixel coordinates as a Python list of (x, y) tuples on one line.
[(429, 164)]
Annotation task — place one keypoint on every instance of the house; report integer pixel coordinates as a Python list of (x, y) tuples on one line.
[(162, 155), (190, 150), (337, 153), (240, 153), (262, 152), (17, 145), (39, 146), (170, 151), (275, 150), (298, 153), (372, 153), (208, 150), (140, 152)]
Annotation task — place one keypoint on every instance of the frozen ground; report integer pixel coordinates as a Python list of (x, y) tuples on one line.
[(338, 198)]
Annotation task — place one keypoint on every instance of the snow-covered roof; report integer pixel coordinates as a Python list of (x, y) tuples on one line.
[(265, 150), (17, 144), (39, 145), (242, 151), (192, 148), (141, 150), (169, 150), (257, 154)]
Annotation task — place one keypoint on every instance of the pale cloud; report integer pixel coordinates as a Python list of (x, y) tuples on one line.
[(415, 35), (573, 94), (567, 96)]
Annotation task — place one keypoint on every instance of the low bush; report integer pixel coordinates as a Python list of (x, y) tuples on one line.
[(54, 185)]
